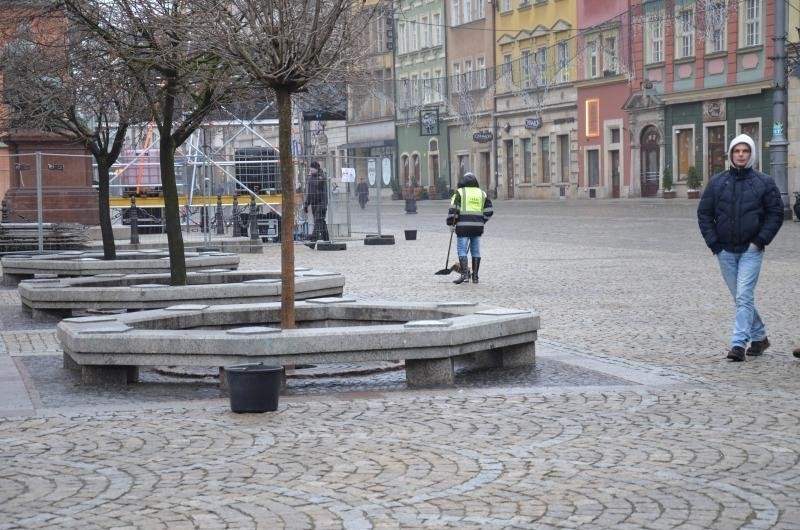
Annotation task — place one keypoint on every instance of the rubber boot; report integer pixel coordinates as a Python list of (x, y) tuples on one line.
[(476, 263), (462, 261)]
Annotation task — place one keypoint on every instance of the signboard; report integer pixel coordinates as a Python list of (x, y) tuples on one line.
[(371, 171), (429, 122), (483, 137), (533, 123), (348, 174), (386, 170)]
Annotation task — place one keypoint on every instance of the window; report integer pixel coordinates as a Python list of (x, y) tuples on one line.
[(427, 97), (655, 52), (541, 66), (716, 25), (403, 44), (615, 136), (752, 22), (505, 7), (544, 159), (415, 97), (454, 5), (527, 75), (562, 48), (527, 160), (438, 85), (481, 9), (508, 77), (610, 55), (685, 34), (414, 37), (405, 94), (591, 59), (481, 72), (592, 118), (426, 32), (456, 77), (466, 13), (468, 74), (437, 29)]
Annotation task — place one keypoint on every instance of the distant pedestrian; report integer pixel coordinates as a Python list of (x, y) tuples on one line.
[(470, 209), (362, 192), (739, 214), (317, 198)]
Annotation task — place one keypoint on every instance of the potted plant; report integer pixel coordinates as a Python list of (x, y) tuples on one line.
[(693, 183), (666, 183)]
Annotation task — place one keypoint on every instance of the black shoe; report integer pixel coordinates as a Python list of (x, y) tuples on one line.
[(796, 353), (736, 354), (757, 347)]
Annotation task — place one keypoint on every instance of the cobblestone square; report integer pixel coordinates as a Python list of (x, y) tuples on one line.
[(632, 418)]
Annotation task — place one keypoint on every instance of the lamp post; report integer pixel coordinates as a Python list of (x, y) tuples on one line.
[(779, 145)]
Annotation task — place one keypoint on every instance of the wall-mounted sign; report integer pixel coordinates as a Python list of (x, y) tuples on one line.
[(714, 110), (55, 167), (429, 122), (348, 174), (533, 123), (483, 137)]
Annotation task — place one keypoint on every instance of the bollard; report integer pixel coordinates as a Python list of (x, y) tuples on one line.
[(5, 211), (134, 222), (237, 226), (220, 221), (253, 221)]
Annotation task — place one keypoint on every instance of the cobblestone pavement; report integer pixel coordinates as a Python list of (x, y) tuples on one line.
[(632, 417)]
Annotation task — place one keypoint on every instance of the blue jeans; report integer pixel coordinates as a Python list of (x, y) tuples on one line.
[(740, 271), (474, 246)]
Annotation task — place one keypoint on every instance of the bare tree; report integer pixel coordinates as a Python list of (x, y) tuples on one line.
[(165, 47), (290, 47), (66, 82)]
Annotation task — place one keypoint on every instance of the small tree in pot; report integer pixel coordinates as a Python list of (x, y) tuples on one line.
[(666, 183), (693, 183)]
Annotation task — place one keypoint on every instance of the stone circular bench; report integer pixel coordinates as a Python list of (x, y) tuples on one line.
[(55, 298), (17, 267), (427, 336)]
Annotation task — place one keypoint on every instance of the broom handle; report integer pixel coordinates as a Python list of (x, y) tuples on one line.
[(449, 246)]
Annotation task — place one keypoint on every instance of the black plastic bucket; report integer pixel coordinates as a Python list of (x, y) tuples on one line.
[(254, 387), (411, 235)]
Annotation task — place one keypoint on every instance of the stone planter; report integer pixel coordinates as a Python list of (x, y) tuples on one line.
[(693, 194), (668, 194)]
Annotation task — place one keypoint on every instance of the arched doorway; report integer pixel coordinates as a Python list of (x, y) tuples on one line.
[(650, 161)]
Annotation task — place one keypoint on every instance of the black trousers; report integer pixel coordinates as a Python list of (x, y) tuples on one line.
[(319, 211)]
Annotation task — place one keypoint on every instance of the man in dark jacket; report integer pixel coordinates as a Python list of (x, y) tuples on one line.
[(317, 198), (739, 214), (470, 209)]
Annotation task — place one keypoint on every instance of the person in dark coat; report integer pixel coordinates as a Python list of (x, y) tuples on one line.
[(317, 198), (739, 214), (470, 208), (362, 191)]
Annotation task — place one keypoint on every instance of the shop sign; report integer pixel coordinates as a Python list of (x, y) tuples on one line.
[(533, 123), (483, 137)]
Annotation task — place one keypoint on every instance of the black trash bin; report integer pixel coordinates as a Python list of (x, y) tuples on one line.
[(254, 387)]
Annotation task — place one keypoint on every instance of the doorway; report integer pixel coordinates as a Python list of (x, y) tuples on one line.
[(650, 162)]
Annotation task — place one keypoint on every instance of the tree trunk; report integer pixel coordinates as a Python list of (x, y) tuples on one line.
[(172, 220), (107, 231), (284, 97)]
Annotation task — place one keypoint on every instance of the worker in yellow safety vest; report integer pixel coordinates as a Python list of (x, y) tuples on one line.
[(470, 209)]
